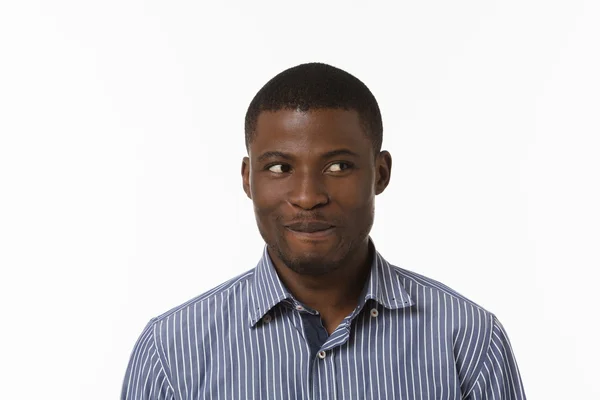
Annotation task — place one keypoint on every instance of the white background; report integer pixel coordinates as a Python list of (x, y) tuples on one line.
[(121, 139)]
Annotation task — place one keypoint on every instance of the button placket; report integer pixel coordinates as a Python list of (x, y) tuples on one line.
[(324, 378)]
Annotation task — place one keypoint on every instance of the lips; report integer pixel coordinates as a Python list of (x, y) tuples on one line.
[(309, 226)]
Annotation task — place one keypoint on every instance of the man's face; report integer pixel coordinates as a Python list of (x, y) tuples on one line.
[(313, 177)]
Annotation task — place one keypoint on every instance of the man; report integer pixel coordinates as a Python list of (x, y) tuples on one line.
[(323, 315)]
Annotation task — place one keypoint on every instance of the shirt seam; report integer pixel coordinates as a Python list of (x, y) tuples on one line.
[(162, 366), (222, 288), (482, 360), (439, 287)]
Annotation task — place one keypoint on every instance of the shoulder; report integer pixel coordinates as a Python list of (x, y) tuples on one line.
[(429, 292), (468, 327), (464, 320), (217, 299)]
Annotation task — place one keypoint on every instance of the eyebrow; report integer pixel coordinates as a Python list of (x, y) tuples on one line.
[(278, 154), (273, 154), (339, 152)]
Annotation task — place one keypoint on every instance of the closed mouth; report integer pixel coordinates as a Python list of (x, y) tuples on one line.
[(309, 226)]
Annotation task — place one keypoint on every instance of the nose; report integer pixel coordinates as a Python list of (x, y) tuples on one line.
[(308, 190)]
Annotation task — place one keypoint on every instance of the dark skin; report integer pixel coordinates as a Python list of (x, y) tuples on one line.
[(313, 177)]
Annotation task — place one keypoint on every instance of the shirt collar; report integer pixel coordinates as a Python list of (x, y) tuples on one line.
[(266, 289), (383, 286)]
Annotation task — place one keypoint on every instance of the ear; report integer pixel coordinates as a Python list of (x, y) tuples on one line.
[(246, 176), (383, 171)]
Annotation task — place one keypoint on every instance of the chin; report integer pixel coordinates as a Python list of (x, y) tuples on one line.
[(311, 267), (310, 262)]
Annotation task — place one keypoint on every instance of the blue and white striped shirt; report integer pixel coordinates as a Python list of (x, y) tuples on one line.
[(409, 338)]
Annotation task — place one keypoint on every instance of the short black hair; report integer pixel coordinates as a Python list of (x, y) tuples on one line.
[(317, 86)]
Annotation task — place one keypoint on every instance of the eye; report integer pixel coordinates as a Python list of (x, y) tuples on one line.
[(279, 168), (339, 167)]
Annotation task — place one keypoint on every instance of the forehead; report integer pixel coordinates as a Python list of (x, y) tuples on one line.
[(309, 131)]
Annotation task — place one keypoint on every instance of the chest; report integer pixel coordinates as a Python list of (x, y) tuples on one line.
[(380, 355)]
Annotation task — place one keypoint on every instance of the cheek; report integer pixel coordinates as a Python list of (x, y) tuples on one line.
[(358, 195), (357, 203), (266, 200)]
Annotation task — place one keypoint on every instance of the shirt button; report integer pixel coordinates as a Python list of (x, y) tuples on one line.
[(267, 318), (299, 308), (374, 313), (322, 354)]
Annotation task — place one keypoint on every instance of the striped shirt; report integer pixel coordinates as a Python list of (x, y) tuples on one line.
[(409, 338)]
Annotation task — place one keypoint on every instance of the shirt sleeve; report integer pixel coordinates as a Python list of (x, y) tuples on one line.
[(499, 376), (146, 378)]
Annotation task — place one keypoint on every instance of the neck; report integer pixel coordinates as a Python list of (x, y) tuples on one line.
[(334, 294)]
